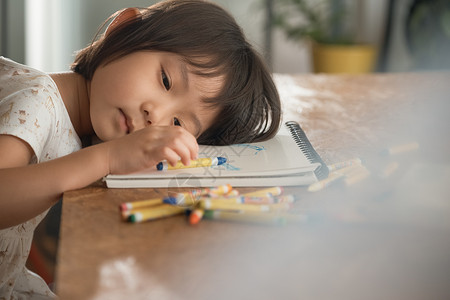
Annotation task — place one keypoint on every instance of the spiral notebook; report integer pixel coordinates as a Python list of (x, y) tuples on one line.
[(288, 159)]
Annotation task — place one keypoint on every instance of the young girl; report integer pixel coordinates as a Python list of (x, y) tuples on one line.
[(156, 83)]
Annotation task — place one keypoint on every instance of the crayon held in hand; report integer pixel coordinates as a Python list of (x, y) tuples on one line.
[(201, 162)]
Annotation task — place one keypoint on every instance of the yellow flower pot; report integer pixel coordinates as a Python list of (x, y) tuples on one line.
[(352, 59)]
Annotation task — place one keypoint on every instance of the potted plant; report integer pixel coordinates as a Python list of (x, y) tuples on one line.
[(326, 25)]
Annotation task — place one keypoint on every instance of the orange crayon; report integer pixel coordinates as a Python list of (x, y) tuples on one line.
[(196, 216)]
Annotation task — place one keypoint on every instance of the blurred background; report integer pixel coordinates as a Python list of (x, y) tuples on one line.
[(45, 33)]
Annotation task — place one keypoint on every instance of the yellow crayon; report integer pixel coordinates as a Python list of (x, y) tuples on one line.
[(227, 205), (255, 217), (191, 198), (397, 149), (358, 175), (259, 200), (242, 199), (319, 185), (221, 189), (201, 162), (335, 176), (348, 170), (156, 212), (127, 213), (185, 199), (285, 199), (274, 191), (232, 193), (280, 200), (282, 206), (389, 169), (222, 199), (138, 204), (343, 164)]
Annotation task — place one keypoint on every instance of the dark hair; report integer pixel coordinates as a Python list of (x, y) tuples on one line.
[(209, 40)]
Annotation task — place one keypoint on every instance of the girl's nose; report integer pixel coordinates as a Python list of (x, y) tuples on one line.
[(147, 119), (158, 114)]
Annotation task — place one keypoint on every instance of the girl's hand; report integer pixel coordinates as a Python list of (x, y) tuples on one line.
[(146, 147)]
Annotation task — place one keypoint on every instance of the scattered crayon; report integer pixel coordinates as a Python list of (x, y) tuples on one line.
[(349, 170), (196, 216), (274, 191), (350, 175), (242, 199), (138, 204), (233, 192), (343, 164), (321, 184), (156, 212), (254, 217), (286, 198), (211, 204), (183, 199), (225, 205), (221, 189), (358, 175), (282, 206), (258, 200), (191, 197), (127, 213), (389, 169), (402, 148), (222, 202)]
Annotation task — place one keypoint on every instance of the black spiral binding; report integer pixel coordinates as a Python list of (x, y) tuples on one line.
[(303, 143)]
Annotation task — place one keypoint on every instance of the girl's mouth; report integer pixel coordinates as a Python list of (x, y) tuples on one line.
[(125, 122)]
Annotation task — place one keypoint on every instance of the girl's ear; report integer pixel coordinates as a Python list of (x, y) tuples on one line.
[(122, 17)]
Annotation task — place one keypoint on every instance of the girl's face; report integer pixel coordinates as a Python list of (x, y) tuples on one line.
[(147, 89)]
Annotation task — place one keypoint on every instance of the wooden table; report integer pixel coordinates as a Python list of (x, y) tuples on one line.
[(382, 238)]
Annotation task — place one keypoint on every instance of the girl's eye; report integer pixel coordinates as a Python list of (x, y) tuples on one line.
[(176, 122), (165, 80)]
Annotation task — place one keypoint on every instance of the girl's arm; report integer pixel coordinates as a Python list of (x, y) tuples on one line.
[(27, 190)]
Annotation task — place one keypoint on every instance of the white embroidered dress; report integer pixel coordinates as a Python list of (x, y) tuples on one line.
[(31, 109)]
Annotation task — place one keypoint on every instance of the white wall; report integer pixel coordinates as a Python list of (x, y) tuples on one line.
[(52, 33), (68, 25), (14, 47)]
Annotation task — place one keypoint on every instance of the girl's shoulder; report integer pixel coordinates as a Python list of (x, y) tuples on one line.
[(32, 109), (15, 76)]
